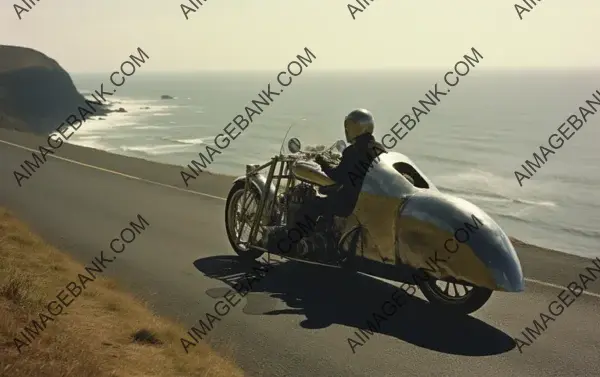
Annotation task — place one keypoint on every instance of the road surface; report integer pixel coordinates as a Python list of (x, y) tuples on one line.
[(299, 317)]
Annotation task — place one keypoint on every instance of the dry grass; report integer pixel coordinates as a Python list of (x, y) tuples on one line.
[(104, 332)]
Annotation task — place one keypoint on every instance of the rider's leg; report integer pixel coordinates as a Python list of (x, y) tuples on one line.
[(309, 213), (304, 221)]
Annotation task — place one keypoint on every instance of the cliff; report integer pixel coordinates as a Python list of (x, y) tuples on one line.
[(36, 93)]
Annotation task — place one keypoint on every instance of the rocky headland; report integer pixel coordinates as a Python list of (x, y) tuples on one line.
[(36, 93)]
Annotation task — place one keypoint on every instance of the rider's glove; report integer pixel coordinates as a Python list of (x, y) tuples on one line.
[(320, 160)]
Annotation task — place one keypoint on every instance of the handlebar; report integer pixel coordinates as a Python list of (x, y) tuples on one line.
[(315, 153), (309, 156)]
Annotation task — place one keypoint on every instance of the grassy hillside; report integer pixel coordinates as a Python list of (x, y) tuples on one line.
[(105, 332)]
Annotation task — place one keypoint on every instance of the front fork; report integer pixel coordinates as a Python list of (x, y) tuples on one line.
[(264, 200)]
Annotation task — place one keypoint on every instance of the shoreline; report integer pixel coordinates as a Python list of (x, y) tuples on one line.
[(218, 185)]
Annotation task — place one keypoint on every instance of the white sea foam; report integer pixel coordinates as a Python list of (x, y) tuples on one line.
[(487, 187), (133, 119), (147, 127), (155, 150), (91, 142), (195, 141)]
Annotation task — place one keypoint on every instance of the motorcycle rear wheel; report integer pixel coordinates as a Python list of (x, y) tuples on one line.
[(350, 246), (472, 300), (233, 220)]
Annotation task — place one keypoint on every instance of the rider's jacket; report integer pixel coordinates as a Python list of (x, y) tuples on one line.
[(357, 159)]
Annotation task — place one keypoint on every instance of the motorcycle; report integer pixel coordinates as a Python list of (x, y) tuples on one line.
[(401, 220)]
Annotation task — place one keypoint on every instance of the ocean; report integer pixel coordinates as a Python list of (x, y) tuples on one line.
[(470, 144)]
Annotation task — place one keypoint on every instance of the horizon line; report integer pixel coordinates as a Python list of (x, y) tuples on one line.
[(356, 70)]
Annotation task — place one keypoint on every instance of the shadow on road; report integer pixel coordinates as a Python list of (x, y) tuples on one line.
[(328, 296)]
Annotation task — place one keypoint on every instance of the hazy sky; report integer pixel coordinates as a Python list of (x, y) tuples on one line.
[(97, 35)]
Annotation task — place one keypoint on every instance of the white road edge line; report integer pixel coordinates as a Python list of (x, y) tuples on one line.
[(560, 287), (551, 285), (116, 172)]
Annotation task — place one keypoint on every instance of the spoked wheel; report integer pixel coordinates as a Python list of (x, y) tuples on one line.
[(454, 297), (239, 217), (350, 247)]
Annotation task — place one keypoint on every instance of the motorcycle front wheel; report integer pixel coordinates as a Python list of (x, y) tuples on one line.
[(238, 222), (454, 297)]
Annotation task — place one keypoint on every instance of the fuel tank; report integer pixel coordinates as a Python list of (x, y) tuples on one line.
[(311, 172)]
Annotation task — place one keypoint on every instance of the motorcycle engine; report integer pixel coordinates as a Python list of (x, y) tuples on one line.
[(296, 198)]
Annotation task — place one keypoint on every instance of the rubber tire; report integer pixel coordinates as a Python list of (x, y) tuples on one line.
[(351, 264), (478, 297), (244, 254)]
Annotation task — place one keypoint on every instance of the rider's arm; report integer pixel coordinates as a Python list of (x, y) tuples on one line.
[(337, 173)]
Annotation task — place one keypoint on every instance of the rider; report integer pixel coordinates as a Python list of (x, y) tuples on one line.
[(341, 198), (357, 158)]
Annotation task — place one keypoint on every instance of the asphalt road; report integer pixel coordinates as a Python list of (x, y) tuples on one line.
[(298, 318)]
